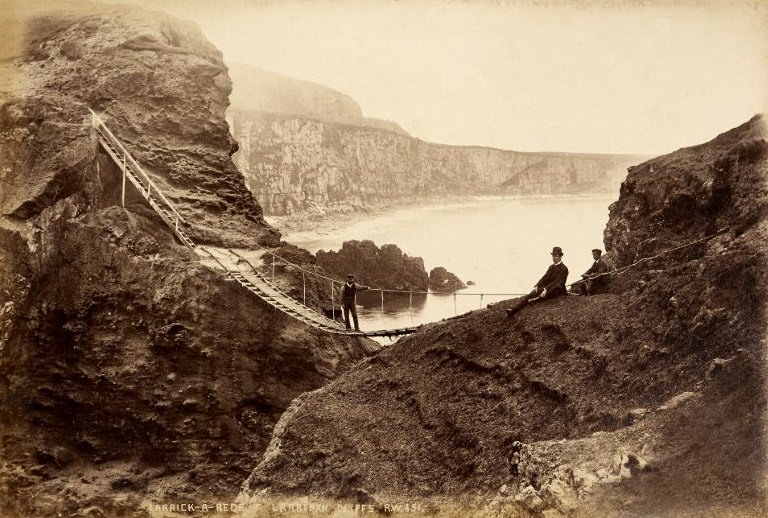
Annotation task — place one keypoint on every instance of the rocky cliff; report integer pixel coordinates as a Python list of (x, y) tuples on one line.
[(294, 164), (648, 401), (264, 91), (386, 267), (129, 372)]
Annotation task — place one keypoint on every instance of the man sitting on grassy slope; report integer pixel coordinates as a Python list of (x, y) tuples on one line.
[(551, 285)]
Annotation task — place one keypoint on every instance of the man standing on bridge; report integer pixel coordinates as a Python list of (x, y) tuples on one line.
[(349, 298), (550, 286)]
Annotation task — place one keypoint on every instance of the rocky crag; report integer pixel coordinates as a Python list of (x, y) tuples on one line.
[(442, 280), (648, 400), (320, 156), (386, 267), (129, 372), (260, 90)]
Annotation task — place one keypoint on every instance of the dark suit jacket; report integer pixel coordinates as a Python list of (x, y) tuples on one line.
[(597, 267), (556, 276), (349, 292)]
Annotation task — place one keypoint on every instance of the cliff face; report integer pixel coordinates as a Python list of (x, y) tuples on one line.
[(161, 88), (264, 91), (295, 164), (129, 372), (648, 400)]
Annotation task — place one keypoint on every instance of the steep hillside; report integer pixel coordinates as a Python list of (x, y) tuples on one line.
[(129, 372), (646, 401), (295, 164)]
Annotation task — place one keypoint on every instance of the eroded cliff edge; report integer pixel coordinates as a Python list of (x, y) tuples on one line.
[(308, 165), (648, 400), (129, 372)]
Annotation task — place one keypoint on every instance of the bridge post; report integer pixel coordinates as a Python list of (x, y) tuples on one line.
[(122, 196), (481, 301), (455, 311), (304, 283), (273, 267), (382, 303), (333, 306)]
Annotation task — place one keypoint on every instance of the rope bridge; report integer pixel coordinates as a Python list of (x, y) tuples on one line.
[(226, 259), (245, 273)]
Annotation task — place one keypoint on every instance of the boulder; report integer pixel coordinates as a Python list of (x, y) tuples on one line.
[(442, 280)]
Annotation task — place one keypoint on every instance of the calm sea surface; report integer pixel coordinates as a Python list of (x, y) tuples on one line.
[(503, 245)]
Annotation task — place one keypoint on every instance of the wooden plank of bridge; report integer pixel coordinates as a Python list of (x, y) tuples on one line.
[(270, 293)]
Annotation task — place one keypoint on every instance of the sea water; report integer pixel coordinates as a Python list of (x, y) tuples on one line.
[(502, 245)]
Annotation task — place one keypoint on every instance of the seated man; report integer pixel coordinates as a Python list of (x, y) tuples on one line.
[(592, 281), (549, 286)]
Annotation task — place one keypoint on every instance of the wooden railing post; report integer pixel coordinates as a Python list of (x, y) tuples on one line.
[(139, 178), (122, 196)]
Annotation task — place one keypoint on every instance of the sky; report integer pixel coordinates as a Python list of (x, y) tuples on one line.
[(606, 78)]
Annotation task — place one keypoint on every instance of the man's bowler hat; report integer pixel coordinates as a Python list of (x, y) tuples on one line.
[(597, 250), (557, 251)]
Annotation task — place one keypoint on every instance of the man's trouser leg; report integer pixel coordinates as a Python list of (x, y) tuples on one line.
[(522, 302), (354, 317), (346, 314), (554, 292)]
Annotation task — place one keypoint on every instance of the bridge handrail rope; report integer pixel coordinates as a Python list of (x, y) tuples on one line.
[(624, 269), (326, 322), (99, 124), (385, 290), (274, 287)]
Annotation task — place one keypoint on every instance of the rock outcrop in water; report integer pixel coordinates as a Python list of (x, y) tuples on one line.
[(129, 372), (295, 164), (649, 400), (441, 279), (386, 267)]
